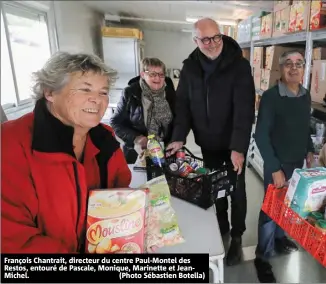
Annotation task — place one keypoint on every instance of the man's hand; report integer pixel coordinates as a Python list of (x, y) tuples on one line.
[(279, 179), (310, 159), (237, 161), (172, 148)]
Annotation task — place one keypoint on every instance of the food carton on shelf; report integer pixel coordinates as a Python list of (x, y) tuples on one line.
[(280, 5), (267, 26), (292, 18), (302, 15), (318, 81), (277, 24), (317, 15)]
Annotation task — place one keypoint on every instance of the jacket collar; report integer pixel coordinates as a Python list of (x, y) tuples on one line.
[(51, 136)]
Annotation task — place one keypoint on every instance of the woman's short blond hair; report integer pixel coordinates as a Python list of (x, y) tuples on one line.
[(153, 62), (55, 73)]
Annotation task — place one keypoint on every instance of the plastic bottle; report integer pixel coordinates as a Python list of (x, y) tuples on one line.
[(155, 151)]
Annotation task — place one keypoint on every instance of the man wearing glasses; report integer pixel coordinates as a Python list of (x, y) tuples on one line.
[(216, 99), (283, 138)]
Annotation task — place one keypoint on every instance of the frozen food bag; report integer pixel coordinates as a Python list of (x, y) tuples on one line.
[(162, 227), (307, 190), (116, 221)]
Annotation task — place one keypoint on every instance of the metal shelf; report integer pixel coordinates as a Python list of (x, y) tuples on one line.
[(245, 44), (290, 38), (318, 35)]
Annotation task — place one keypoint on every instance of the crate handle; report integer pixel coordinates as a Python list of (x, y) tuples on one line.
[(191, 154)]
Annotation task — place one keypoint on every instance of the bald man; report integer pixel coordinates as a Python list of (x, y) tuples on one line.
[(216, 99)]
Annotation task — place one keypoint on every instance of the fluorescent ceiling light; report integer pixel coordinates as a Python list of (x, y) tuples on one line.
[(192, 20), (186, 31), (221, 22)]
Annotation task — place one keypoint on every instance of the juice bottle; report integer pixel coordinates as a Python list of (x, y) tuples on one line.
[(155, 151)]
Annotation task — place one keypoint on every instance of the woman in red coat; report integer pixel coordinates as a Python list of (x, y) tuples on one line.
[(52, 157)]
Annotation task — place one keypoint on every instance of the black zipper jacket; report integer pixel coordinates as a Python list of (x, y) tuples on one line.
[(128, 119), (219, 108)]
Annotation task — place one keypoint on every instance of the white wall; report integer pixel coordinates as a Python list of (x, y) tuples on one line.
[(171, 47), (78, 27)]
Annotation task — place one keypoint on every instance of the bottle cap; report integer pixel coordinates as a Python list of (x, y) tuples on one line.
[(151, 136)]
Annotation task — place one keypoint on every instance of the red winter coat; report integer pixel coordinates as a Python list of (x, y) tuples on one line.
[(44, 189)]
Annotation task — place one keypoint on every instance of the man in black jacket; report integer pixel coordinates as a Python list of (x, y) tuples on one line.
[(216, 99)]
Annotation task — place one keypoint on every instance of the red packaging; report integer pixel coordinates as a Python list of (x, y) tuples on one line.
[(116, 221)]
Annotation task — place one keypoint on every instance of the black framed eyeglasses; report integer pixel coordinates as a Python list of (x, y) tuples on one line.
[(298, 64), (153, 74), (208, 40)]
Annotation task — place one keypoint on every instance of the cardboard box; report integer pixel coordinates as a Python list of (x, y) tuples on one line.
[(303, 16), (285, 19), (292, 19), (319, 53), (273, 53), (269, 79), (277, 24), (257, 77), (318, 81), (246, 53), (317, 15), (280, 5), (258, 60), (267, 26)]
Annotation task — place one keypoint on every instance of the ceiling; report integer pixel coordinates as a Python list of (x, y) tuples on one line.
[(171, 15)]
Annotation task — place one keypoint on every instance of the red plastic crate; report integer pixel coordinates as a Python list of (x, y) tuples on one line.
[(309, 237)]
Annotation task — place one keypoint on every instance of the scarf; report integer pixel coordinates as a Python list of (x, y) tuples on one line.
[(159, 114)]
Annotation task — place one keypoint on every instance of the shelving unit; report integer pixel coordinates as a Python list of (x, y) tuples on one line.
[(308, 39)]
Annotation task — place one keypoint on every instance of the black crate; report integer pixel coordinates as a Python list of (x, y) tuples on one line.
[(202, 190)]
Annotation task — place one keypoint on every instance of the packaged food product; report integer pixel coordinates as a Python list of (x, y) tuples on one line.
[(116, 221), (162, 227), (307, 190), (155, 151)]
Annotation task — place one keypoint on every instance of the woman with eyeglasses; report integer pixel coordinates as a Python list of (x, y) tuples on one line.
[(146, 107)]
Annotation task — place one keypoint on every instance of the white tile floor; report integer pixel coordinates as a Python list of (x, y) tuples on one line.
[(297, 267)]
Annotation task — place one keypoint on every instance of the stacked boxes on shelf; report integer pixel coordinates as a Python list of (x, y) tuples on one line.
[(318, 80), (318, 15), (295, 16), (281, 21), (266, 29)]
